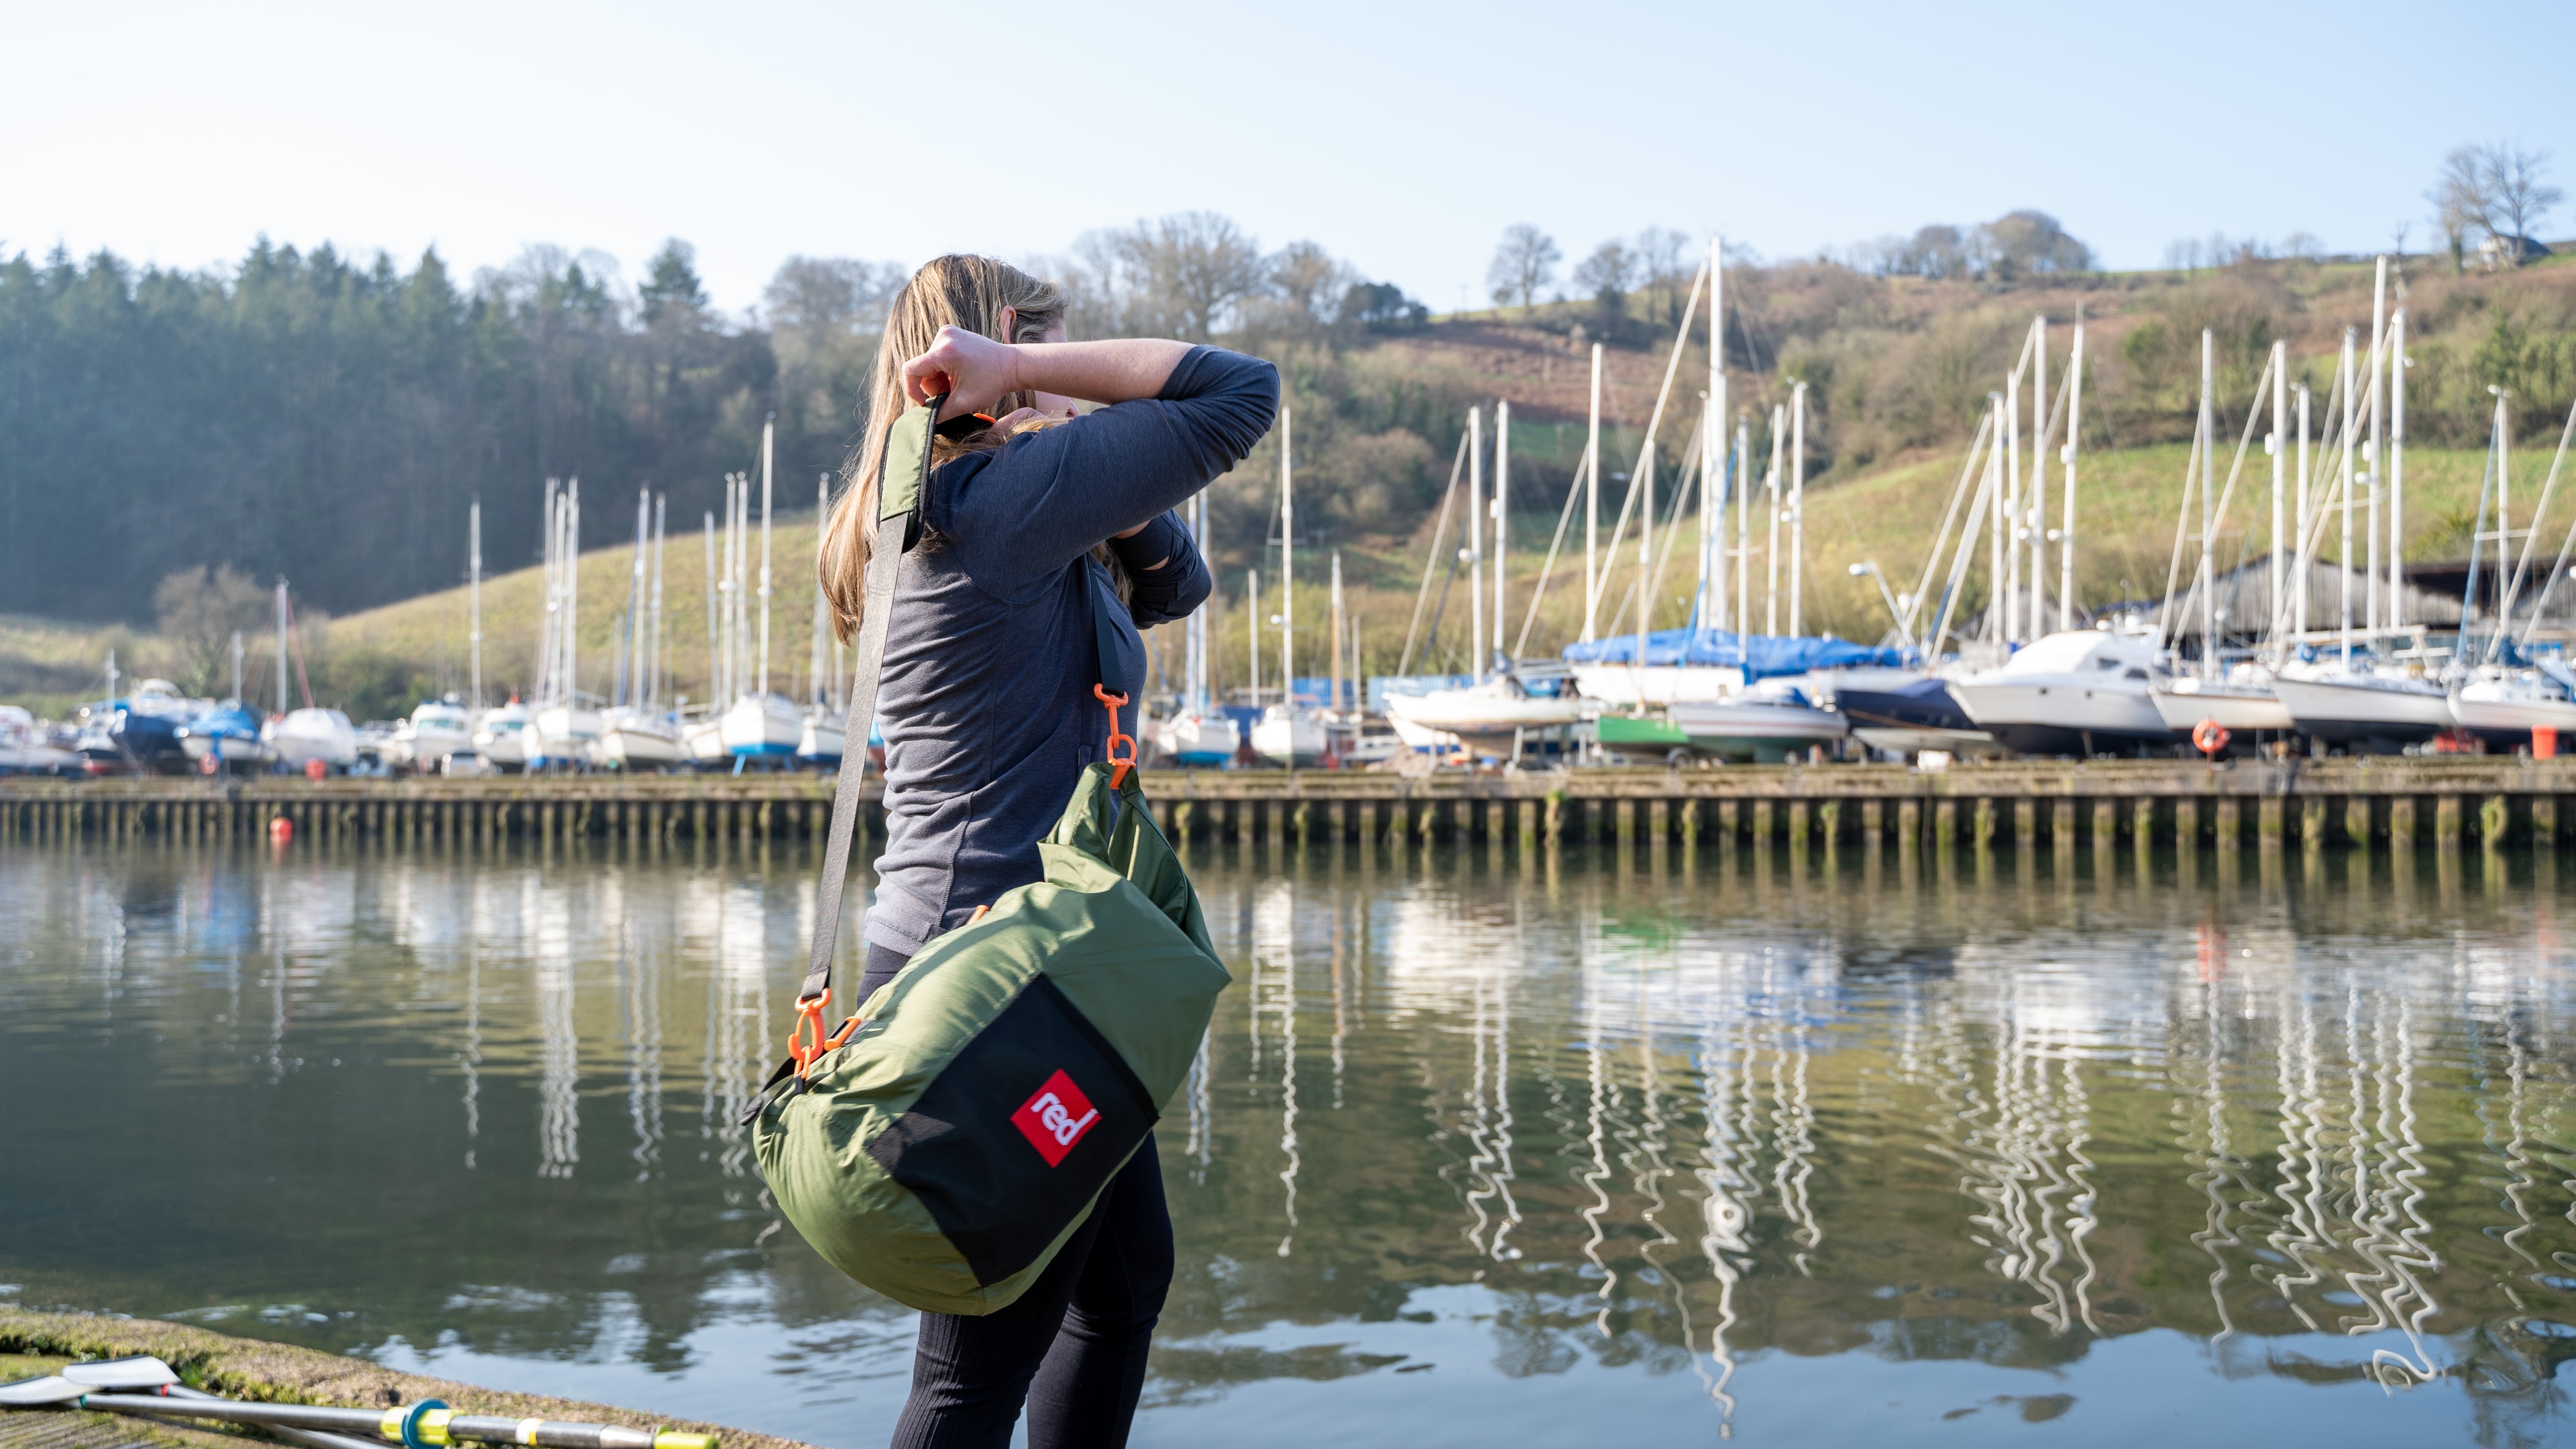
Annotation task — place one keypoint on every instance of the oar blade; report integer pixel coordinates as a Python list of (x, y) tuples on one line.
[(142, 1371), (37, 1393)]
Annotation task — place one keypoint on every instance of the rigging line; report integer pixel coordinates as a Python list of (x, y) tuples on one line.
[(2313, 529), (1565, 516), (1431, 558), (2522, 568), (1672, 521), (1958, 495), (2173, 570), (1646, 448), (1960, 559), (2218, 519)]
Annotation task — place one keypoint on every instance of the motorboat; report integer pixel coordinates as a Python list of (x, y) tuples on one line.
[(1199, 739), (562, 734), (2370, 704), (2242, 701), (465, 764), (144, 726), (222, 734), (2075, 692), (1359, 740), (436, 728), (1762, 725), (503, 739), (1291, 735), (632, 739), (24, 750), (762, 726), (2502, 706), (1486, 717), (299, 738), (822, 738), (1911, 716)]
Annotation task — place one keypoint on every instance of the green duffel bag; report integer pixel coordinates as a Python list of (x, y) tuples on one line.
[(946, 1141)]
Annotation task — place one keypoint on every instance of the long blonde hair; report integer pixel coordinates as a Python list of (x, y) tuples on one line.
[(966, 292)]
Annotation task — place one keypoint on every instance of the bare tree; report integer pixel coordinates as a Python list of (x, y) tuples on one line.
[(2497, 190), (1181, 276), (1610, 273), (200, 609), (1309, 283), (831, 294), (1524, 262), (1660, 252)]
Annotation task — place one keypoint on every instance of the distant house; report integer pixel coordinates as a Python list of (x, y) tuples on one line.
[(2509, 251)]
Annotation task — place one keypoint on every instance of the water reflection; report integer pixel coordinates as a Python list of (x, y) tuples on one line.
[(1481, 1144)]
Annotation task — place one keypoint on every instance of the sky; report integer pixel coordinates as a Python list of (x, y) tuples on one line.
[(1404, 138)]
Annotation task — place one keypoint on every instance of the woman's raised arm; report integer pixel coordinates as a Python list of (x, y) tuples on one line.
[(976, 371)]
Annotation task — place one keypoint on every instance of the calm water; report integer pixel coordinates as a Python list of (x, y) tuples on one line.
[(1802, 1150)]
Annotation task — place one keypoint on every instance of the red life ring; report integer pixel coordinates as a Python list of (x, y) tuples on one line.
[(2209, 737)]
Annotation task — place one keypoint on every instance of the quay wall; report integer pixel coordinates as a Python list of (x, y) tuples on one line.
[(2261, 804)]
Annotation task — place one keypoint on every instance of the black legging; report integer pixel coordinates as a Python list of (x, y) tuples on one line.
[(1072, 1347)]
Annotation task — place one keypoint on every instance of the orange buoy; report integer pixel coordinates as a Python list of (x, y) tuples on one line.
[(2209, 737), (315, 769), (281, 830)]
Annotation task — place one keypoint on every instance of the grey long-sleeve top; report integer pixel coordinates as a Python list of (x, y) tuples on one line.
[(986, 703)]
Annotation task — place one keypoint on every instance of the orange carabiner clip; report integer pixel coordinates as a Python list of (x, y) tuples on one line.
[(1120, 764), (810, 1013)]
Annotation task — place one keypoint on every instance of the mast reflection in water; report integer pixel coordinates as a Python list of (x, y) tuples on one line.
[(1781, 1148)]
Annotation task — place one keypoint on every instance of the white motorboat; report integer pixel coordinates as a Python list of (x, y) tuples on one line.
[(1359, 740), (2075, 692), (1291, 735), (1199, 739), (630, 739), (1487, 716), (303, 736), (2372, 705), (562, 734), (2242, 701), (502, 738), (436, 729), (2503, 706), (823, 738), (24, 750), (1759, 725)]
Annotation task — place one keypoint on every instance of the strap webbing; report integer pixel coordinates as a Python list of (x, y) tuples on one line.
[(1104, 631), (901, 480)]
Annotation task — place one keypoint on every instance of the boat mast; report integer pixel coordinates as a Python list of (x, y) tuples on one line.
[(715, 645), (2208, 510), (822, 507), (2396, 610), (572, 590), (1998, 592), (1502, 512), (661, 531), (2344, 376), (2074, 441), (1287, 569), (1592, 504), (1194, 667), (2378, 351), (1476, 544), (768, 436), (2008, 515), (1335, 696), (473, 601), (1797, 507), (553, 596), (1252, 628), (237, 659), (1743, 531), (1771, 554), (1712, 464), (2299, 604), (2273, 446), (2039, 421), (281, 651), (636, 578)]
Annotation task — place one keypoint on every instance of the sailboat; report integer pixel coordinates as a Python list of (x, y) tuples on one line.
[(2501, 702), (636, 734), (1289, 733), (561, 731), (1199, 737), (759, 724), (824, 732), (300, 738), (1497, 710), (24, 750)]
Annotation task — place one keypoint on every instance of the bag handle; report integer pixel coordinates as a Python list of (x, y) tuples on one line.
[(902, 478)]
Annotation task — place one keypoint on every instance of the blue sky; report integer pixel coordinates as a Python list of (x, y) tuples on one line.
[(1404, 138)]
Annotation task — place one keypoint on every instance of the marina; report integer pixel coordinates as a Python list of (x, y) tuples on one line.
[(2439, 801)]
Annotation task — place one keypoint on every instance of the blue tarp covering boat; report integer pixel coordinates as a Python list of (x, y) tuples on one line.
[(1762, 656)]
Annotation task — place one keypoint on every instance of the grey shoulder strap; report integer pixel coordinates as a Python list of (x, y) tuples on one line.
[(900, 481)]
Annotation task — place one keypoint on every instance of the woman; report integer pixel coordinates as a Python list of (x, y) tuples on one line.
[(1031, 525)]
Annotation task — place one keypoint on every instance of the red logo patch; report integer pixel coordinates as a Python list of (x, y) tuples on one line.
[(1055, 1118)]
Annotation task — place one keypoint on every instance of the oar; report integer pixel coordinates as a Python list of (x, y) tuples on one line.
[(141, 1372), (423, 1425)]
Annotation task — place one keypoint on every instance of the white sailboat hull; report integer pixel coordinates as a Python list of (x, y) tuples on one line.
[(636, 743), (822, 738), (1297, 740), (760, 725), (1199, 740), (704, 742), (2507, 713), (2364, 708), (2237, 708), (1656, 684), (564, 736), (306, 735)]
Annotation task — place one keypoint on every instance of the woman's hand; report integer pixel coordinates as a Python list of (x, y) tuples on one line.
[(975, 371)]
